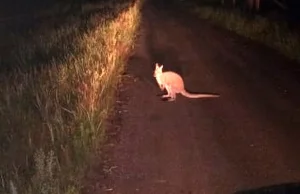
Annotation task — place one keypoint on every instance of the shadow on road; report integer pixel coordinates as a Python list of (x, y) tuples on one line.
[(287, 188)]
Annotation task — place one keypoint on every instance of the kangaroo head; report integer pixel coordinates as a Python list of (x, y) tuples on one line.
[(158, 70)]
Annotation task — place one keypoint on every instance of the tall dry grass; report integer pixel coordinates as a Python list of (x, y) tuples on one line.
[(52, 115), (273, 34)]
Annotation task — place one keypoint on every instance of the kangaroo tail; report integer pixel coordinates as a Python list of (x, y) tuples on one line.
[(189, 95)]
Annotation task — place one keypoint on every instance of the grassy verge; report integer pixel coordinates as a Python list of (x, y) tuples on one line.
[(52, 112), (272, 34)]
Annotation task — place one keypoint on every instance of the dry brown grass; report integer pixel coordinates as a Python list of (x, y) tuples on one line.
[(273, 34), (51, 118)]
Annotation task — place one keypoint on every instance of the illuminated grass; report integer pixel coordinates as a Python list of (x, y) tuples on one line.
[(272, 34), (52, 116)]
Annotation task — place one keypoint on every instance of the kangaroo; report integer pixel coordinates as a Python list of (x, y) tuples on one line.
[(174, 84)]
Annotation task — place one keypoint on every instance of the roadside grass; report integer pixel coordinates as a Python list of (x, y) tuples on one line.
[(273, 34), (54, 102)]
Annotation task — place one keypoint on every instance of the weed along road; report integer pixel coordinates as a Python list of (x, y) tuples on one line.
[(246, 139)]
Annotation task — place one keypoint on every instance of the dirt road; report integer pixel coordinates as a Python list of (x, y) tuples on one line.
[(247, 138)]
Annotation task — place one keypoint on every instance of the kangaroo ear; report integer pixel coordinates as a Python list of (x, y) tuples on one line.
[(161, 67), (156, 65)]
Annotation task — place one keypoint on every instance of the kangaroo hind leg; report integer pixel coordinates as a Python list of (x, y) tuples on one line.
[(171, 94)]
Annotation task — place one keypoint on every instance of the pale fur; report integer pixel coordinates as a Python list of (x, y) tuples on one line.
[(174, 84)]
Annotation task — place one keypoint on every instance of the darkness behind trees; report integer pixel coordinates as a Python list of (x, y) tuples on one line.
[(287, 10)]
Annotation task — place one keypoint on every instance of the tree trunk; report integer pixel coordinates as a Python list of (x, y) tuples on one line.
[(250, 4), (257, 5), (254, 4)]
